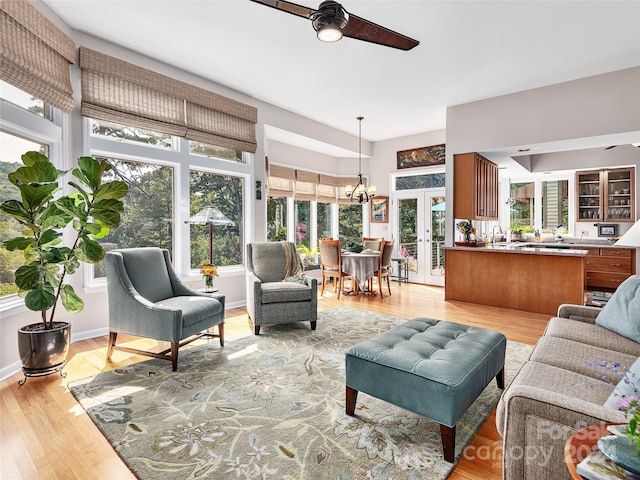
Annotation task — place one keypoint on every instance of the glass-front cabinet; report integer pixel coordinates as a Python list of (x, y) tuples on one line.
[(606, 195)]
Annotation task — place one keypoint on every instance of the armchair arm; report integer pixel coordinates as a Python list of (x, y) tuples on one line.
[(254, 296), (581, 313)]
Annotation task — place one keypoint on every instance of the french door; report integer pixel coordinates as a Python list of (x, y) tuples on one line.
[(418, 219)]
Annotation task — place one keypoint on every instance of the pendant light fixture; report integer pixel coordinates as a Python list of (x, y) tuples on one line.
[(360, 192)]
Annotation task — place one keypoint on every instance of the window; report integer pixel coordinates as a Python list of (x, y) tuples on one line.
[(225, 193), (555, 205), (198, 148), (350, 220), (22, 99), (130, 134), (324, 220), (147, 220), (523, 208), (276, 219), (12, 148), (427, 180), (302, 222)]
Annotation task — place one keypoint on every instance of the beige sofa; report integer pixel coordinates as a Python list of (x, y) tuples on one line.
[(557, 393)]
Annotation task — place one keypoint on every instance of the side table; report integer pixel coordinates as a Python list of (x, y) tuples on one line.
[(580, 445), (403, 270)]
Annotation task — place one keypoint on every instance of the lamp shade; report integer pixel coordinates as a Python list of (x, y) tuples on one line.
[(210, 216), (631, 238)]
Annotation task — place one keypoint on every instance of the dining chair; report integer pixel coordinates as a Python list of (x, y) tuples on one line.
[(384, 264), (331, 263), (372, 243)]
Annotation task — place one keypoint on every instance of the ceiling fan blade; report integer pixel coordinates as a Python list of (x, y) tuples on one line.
[(367, 31), (289, 7)]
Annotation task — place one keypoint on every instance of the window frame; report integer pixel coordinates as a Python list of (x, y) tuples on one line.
[(537, 180), (183, 162)]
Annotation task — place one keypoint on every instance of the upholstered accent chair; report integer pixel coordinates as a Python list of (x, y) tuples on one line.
[(331, 264), (384, 264), (372, 243), (147, 299), (277, 290)]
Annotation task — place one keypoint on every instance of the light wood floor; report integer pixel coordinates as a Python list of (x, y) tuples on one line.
[(44, 434)]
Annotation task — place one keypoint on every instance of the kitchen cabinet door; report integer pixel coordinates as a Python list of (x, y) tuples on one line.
[(475, 187)]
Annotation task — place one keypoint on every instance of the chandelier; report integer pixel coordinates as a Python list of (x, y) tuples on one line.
[(360, 191)]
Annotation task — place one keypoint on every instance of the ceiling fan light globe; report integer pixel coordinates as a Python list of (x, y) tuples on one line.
[(329, 33)]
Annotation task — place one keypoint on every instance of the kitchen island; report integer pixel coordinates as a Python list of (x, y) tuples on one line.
[(532, 279)]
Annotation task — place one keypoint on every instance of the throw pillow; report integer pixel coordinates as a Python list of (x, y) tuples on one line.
[(297, 278), (621, 314), (626, 387)]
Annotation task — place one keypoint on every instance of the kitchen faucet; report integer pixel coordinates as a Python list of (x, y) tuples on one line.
[(493, 233)]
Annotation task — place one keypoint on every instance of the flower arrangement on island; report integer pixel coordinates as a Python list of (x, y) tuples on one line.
[(466, 228), (208, 272)]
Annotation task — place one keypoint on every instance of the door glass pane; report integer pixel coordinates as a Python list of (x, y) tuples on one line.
[(276, 219), (350, 220), (437, 235), (522, 210), (408, 231), (147, 220), (555, 206), (225, 193)]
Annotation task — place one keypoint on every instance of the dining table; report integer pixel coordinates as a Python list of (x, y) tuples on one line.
[(360, 267)]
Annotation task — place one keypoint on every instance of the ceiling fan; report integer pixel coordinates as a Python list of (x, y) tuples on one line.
[(331, 22)]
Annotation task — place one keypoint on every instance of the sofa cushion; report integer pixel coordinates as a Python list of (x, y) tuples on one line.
[(621, 314), (194, 309), (591, 334), (579, 358), (627, 386), (278, 292)]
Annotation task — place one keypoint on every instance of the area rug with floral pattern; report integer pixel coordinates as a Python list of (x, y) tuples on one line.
[(272, 407)]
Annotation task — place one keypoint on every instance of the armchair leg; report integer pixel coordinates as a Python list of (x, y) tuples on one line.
[(174, 355), (256, 329), (221, 333), (112, 342), (313, 324)]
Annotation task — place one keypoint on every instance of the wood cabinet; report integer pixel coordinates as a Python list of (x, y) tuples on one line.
[(608, 267), (606, 195), (475, 193)]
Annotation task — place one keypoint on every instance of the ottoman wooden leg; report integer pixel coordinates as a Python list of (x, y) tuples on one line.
[(448, 435), (352, 395), (500, 378)]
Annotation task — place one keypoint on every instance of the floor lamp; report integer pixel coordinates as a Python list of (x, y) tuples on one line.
[(210, 216)]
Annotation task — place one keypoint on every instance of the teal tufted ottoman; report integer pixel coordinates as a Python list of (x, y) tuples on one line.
[(434, 368)]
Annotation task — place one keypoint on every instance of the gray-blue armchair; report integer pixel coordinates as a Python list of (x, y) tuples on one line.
[(276, 290), (147, 299)]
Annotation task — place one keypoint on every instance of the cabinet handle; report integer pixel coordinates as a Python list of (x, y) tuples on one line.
[(615, 264)]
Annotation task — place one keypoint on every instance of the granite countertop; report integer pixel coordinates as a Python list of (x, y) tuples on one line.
[(524, 248)]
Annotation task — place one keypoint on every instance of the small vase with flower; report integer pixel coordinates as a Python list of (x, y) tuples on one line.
[(209, 272)]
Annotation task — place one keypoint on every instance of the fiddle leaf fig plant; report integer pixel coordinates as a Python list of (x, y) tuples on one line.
[(91, 211)]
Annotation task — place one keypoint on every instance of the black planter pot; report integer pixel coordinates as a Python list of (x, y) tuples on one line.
[(43, 352)]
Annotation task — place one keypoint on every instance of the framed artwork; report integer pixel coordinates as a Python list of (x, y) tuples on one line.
[(421, 157), (379, 210)]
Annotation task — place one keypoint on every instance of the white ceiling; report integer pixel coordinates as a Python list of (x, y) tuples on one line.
[(469, 50)]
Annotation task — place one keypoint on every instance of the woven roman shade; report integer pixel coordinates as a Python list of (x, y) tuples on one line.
[(343, 182), (306, 185), (117, 91), (327, 189), (280, 181), (35, 54)]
